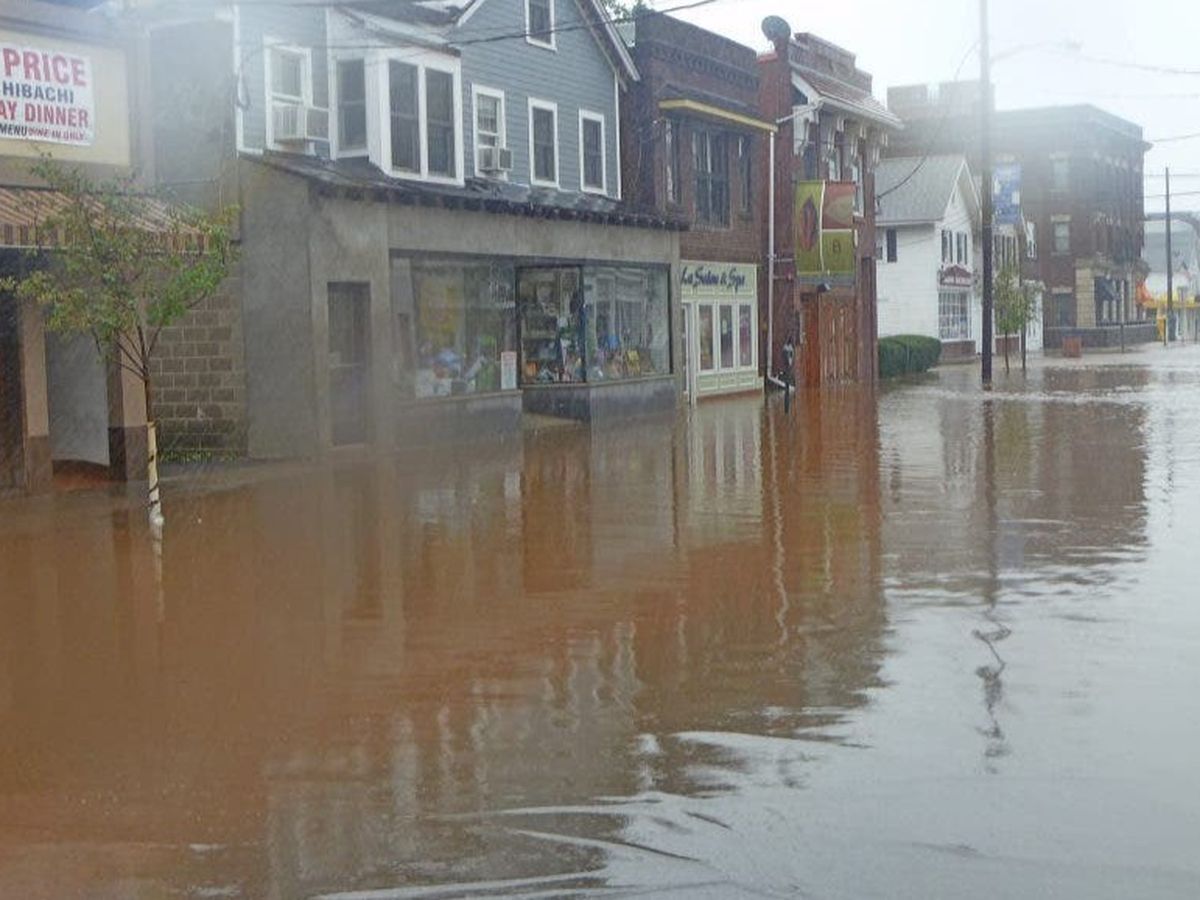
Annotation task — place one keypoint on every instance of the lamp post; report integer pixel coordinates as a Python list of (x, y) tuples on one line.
[(985, 165)]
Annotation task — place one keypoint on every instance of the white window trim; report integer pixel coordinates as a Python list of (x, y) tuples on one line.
[(533, 179), (306, 84), (591, 115), (478, 90), (422, 61), (335, 103), (530, 39)]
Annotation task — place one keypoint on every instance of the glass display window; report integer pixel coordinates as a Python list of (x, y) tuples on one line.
[(627, 322), (745, 335), (552, 325), (706, 338), (726, 327), (455, 324)]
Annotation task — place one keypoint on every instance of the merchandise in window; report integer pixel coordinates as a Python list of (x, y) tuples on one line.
[(352, 105), (628, 334), (455, 326), (406, 125), (710, 159), (439, 122), (551, 311), (706, 337), (545, 138)]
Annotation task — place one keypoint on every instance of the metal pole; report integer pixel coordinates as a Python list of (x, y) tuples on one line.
[(1170, 268), (768, 370), (985, 172)]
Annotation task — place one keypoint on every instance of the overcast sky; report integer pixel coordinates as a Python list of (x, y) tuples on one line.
[(907, 41)]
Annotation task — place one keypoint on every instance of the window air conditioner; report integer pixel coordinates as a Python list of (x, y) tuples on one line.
[(495, 159), (291, 122)]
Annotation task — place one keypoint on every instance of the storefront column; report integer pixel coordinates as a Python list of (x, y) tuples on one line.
[(126, 424), (39, 474)]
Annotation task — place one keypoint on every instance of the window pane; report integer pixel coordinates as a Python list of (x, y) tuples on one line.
[(439, 121), (406, 133), (487, 121), (745, 337), (543, 145), (726, 337), (287, 73), (551, 326), (352, 105), (706, 337), (593, 154), (745, 174), (627, 330), (539, 19)]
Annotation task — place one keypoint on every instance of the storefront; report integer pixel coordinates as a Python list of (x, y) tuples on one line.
[(720, 316)]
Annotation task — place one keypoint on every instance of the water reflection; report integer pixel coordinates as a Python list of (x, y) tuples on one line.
[(573, 663)]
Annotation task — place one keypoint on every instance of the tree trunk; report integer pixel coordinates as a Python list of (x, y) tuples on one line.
[(1024, 343), (1006, 353), (155, 507)]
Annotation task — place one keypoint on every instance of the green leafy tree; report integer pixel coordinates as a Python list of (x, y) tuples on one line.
[(1016, 305), (121, 266)]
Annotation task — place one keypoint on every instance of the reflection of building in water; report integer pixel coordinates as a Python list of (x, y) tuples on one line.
[(350, 670)]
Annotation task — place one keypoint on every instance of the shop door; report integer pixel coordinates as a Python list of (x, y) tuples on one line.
[(349, 308), (10, 395)]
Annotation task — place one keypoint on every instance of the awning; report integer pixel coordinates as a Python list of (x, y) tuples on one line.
[(24, 211)]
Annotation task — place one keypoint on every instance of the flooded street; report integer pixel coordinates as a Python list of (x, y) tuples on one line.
[(919, 644)]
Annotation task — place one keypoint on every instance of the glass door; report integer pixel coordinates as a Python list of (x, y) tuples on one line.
[(553, 325)]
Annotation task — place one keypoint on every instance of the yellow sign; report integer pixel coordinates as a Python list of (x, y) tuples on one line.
[(837, 249), (810, 196)]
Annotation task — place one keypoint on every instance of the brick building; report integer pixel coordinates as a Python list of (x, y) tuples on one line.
[(694, 147), (1081, 200), (831, 131)]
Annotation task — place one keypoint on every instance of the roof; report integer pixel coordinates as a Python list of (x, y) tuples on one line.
[(443, 14), (360, 178), (913, 189), (24, 209), (847, 97)]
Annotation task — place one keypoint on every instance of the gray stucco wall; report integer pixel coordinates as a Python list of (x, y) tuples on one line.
[(277, 314), (575, 75)]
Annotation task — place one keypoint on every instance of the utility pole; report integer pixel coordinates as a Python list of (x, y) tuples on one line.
[(985, 166), (1170, 267)]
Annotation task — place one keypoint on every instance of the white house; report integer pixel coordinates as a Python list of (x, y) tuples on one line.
[(926, 230)]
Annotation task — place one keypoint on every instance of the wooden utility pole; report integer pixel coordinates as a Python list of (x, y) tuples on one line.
[(1170, 268), (985, 165)]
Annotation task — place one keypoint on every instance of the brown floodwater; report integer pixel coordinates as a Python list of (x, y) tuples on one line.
[(921, 643)]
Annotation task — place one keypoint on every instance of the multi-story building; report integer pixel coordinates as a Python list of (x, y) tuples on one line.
[(1081, 199), (821, 226), (693, 148), (65, 90), (1185, 273), (433, 235)]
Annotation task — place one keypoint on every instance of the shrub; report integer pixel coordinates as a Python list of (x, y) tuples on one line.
[(906, 354)]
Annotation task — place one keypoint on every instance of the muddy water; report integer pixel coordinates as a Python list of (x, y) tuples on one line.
[(916, 645)]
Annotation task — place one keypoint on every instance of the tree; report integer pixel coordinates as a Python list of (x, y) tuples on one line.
[(1016, 305), (625, 10), (122, 266)]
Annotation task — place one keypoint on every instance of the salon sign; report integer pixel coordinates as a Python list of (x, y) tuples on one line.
[(46, 95), (717, 281)]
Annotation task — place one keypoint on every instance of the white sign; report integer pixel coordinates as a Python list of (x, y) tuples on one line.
[(735, 281), (46, 95), (508, 370)]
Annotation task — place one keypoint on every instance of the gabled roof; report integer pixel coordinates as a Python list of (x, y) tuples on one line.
[(819, 87), (441, 15), (913, 190)]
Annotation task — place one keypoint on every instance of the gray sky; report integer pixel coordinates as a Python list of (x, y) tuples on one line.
[(926, 40)]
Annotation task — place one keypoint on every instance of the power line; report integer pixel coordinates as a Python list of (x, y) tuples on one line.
[(1175, 138), (1126, 64)]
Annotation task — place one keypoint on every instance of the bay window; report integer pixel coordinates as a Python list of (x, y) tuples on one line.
[(415, 98), (710, 159), (406, 116), (439, 122), (352, 105)]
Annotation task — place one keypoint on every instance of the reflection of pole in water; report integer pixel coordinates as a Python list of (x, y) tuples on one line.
[(991, 673), (777, 526)]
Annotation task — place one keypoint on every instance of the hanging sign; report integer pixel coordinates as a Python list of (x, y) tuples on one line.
[(46, 95), (810, 196), (1006, 194)]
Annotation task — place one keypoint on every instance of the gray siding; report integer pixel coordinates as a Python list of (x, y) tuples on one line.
[(293, 24), (575, 75)]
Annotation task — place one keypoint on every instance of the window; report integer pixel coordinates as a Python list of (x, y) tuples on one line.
[(960, 248), (671, 154), (626, 322), (1064, 305), (725, 318), (1031, 240), (745, 175), (352, 105), (710, 160), (439, 123), (706, 338), (1060, 173), (591, 152), (954, 316), (745, 336), (947, 247), (891, 245), (1062, 237), (456, 325), (539, 22), (489, 118), (288, 74), (406, 122), (543, 143)]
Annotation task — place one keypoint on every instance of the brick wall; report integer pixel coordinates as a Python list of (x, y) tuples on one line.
[(200, 379)]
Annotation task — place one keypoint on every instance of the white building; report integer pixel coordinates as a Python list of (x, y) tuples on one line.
[(927, 229), (1185, 253)]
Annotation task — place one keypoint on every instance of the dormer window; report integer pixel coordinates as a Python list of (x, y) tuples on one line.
[(539, 22)]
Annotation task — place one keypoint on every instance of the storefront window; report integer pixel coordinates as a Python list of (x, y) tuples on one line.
[(706, 337), (552, 324), (745, 336), (726, 337), (455, 327), (628, 335)]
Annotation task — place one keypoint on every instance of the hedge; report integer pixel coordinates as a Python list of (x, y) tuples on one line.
[(905, 354)]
